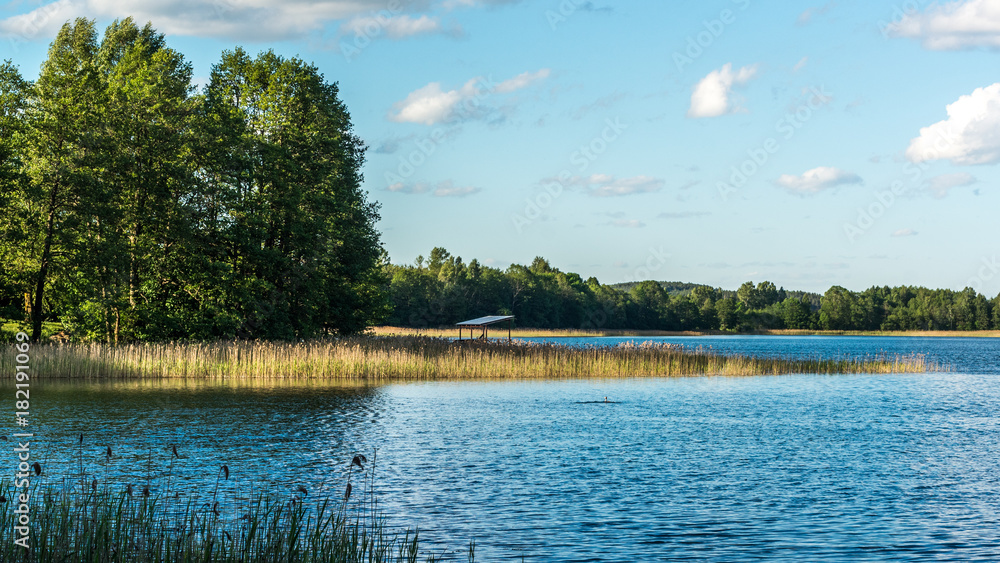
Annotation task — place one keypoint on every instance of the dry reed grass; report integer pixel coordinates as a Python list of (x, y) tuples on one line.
[(501, 332), (79, 519), (377, 359)]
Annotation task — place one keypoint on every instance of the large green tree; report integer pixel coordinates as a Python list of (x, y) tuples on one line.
[(140, 221), (134, 208), (13, 103), (51, 211), (299, 231)]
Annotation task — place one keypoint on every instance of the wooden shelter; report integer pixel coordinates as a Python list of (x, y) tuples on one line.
[(484, 324)]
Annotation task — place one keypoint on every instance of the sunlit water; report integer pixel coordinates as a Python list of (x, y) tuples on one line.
[(797, 468)]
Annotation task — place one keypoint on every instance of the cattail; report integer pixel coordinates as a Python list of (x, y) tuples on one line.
[(358, 460), (81, 439), (109, 452), (225, 471), (302, 489), (128, 489), (174, 448), (145, 491), (347, 494), (37, 467), (93, 486)]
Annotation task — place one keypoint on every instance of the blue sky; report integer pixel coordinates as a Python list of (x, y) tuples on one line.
[(811, 144)]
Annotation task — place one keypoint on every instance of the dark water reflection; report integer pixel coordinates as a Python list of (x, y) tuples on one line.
[(800, 467)]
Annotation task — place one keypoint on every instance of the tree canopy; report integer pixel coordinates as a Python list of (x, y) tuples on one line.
[(445, 290), (136, 207)]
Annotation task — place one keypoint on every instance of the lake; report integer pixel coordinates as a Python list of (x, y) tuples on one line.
[(799, 467)]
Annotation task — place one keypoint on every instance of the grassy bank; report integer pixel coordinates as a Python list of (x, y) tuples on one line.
[(558, 333), (377, 359)]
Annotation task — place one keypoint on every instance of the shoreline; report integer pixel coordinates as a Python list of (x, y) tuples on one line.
[(445, 332)]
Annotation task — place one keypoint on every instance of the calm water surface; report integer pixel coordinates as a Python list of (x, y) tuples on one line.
[(802, 467)]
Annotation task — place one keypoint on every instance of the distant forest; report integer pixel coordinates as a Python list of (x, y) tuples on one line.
[(442, 289)]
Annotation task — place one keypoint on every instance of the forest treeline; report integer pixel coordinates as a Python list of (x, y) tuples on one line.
[(135, 206), (443, 289)]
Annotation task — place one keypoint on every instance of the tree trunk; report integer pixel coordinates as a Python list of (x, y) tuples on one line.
[(43, 269)]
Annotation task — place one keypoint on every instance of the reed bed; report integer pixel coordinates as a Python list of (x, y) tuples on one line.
[(378, 359), (115, 522), (500, 331)]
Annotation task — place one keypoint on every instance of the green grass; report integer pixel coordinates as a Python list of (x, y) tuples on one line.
[(113, 522), (379, 359), (9, 328)]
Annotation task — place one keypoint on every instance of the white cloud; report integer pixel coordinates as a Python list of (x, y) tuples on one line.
[(242, 20), (818, 179), (807, 16), (431, 104), (442, 189), (939, 185), (397, 27), (905, 233), (521, 81), (249, 20), (712, 95), (604, 185), (954, 25), (402, 188), (970, 135), (448, 189)]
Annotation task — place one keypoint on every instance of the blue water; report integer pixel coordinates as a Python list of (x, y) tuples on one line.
[(794, 468), (967, 355)]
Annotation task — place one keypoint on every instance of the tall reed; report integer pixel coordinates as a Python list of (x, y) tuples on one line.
[(114, 523), (376, 359)]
